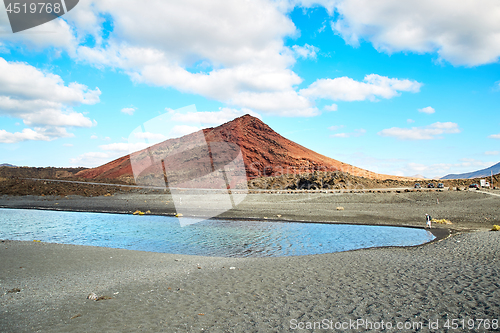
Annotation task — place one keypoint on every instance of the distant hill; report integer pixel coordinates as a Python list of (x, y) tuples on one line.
[(475, 174), (33, 172), (7, 165)]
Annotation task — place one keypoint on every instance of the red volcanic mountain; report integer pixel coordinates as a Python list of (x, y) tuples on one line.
[(264, 152)]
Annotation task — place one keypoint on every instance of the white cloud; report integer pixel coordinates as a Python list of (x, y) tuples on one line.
[(211, 118), (433, 131), (288, 5), (356, 133), (224, 84), (368, 162), (408, 168), (239, 85), (36, 134), (439, 170), (54, 117), (463, 33), (42, 100), (119, 147), (129, 111), (26, 82), (234, 51), (495, 152), (93, 137), (229, 51), (335, 127), (224, 32), (68, 145), (92, 159), (494, 136), (181, 130), (428, 110), (410, 121), (151, 137), (26, 134), (224, 50), (4, 49), (124, 147), (57, 33), (347, 89), (284, 103), (306, 51), (431, 171), (332, 107)]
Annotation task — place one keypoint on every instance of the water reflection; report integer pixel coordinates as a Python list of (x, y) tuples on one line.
[(207, 238)]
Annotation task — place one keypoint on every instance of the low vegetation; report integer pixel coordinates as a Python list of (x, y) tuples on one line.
[(441, 221), (337, 180)]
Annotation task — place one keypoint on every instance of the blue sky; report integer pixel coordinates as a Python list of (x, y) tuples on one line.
[(395, 87)]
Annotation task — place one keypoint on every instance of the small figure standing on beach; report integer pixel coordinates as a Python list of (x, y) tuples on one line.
[(428, 219)]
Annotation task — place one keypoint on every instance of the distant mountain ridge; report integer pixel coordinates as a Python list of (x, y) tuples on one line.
[(495, 169), (7, 165), (264, 152)]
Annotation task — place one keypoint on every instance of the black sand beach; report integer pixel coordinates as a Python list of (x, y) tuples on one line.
[(44, 286), (456, 278)]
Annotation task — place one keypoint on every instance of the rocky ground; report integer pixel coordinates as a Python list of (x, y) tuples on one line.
[(37, 181), (19, 181), (341, 180)]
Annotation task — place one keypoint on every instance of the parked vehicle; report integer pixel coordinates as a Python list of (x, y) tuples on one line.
[(484, 183), (474, 186), (430, 185), (417, 185), (440, 185)]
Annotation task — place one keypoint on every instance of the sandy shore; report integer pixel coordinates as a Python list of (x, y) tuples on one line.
[(455, 278)]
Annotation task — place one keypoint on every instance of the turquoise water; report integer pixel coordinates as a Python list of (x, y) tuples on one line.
[(208, 238)]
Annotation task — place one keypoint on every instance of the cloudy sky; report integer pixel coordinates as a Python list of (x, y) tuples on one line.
[(395, 86)]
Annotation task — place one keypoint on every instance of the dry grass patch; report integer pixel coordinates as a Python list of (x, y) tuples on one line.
[(441, 221)]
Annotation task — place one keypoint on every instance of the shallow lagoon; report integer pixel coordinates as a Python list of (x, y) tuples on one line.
[(208, 238)]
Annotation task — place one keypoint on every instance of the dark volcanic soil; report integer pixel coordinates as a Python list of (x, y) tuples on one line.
[(342, 180), (36, 181)]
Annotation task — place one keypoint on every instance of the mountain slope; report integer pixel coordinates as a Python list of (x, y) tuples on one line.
[(265, 153), (495, 169)]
